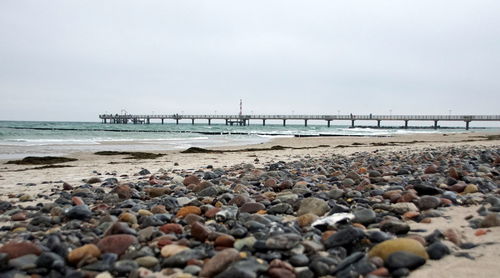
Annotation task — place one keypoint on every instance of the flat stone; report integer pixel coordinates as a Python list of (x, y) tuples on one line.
[(314, 206), (86, 251), (19, 249), (219, 262), (117, 244), (402, 259), (172, 249)]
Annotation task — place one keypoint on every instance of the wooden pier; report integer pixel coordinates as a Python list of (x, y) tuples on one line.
[(244, 120)]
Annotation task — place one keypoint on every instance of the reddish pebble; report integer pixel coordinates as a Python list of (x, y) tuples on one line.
[(20, 216), (411, 214), (19, 249), (187, 210), (191, 180), (481, 232), (382, 271), (171, 228), (77, 201), (224, 241), (426, 220), (212, 212), (159, 209), (117, 244)]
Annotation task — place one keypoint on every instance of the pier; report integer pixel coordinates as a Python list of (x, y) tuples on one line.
[(245, 120)]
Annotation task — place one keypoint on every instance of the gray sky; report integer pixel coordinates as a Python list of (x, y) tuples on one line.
[(71, 60)]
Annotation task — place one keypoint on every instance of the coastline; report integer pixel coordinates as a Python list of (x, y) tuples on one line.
[(16, 180)]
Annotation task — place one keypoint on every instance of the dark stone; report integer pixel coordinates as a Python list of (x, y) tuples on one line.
[(50, 260), (395, 227), (423, 189), (81, 212), (401, 272), (299, 260), (402, 259), (280, 208), (437, 250), (354, 257), (344, 237), (125, 266), (180, 259), (209, 192), (364, 216), (248, 268), (144, 172)]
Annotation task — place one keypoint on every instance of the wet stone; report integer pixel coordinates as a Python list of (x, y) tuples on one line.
[(437, 250), (402, 259)]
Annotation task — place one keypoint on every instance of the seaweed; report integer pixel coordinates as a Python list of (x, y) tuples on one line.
[(132, 155), (41, 160)]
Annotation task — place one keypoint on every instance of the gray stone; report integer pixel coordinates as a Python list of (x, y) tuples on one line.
[(314, 206)]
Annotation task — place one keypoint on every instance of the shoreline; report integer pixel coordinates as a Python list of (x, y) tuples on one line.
[(42, 184)]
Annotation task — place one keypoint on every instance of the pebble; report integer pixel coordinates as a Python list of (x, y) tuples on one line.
[(19, 249), (219, 262), (117, 244), (402, 259), (437, 250), (85, 251), (172, 249), (313, 205), (388, 247)]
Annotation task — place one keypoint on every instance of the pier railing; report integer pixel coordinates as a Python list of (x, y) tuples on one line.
[(245, 119)]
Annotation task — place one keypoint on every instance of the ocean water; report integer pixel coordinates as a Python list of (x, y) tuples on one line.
[(20, 139)]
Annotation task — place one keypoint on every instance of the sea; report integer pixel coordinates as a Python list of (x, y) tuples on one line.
[(19, 139)]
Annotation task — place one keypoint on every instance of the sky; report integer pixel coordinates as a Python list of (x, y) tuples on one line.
[(73, 60)]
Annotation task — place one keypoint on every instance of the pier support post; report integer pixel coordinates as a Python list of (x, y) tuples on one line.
[(147, 121), (352, 123), (467, 125), (192, 121), (176, 121), (209, 121), (162, 120), (263, 122), (328, 123), (305, 122), (406, 124), (284, 122), (227, 122), (435, 124), (105, 120), (378, 123)]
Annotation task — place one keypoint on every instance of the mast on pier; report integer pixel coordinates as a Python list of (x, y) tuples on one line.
[(241, 107)]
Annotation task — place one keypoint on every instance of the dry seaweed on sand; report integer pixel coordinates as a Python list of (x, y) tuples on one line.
[(132, 155), (273, 148), (41, 160)]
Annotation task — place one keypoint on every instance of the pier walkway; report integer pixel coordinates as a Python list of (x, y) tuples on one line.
[(244, 120)]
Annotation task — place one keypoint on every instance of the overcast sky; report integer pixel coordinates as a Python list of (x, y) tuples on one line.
[(72, 60)]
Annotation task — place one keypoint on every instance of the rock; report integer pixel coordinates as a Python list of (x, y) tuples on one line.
[(199, 231), (299, 260), (50, 260), (147, 261), (128, 217), (210, 191), (437, 250), (283, 241), (24, 262), (402, 259), (247, 268), (144, 172), (191, 180), (81, 212), (364, 216), (491, 220), (471, 188), (94, 180), (386, 248), (84, 252), (225, 241), (428, 202), (252, 207), (187, 210), (20, 216), (423, 189), (314, 206), (344, 237), (395, 227), (117, 244), (307, 219), (172, 249), (19, 249), (124, 192), (219, 262), (431, 169), (281, 208), (125, 266), (172, 228), (404, 207)]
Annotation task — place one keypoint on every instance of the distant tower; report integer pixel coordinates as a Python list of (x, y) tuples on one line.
[(241, 107)]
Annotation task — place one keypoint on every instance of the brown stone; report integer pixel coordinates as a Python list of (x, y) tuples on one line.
[(171, 228), (123, 191), (67, 186), (219, 262), (117, 244), (431, 169), (225, 241), (380, 272), (20, 216), (159, 209), (19, 249), (202, 185), (306, 220), (240, 200), (280, 273), (453, 172), (191, 218), (128, 217), (199, 231), (192, 179), (77, 201), (212, 212), (270, 182), (156, 191), (252, 207), (458, 187), (187, 210), (453, 236), (84, 252)]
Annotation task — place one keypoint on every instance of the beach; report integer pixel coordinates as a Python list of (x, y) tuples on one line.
[(44, 185)]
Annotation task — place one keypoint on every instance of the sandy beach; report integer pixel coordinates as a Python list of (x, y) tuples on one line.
[(40, 184)]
